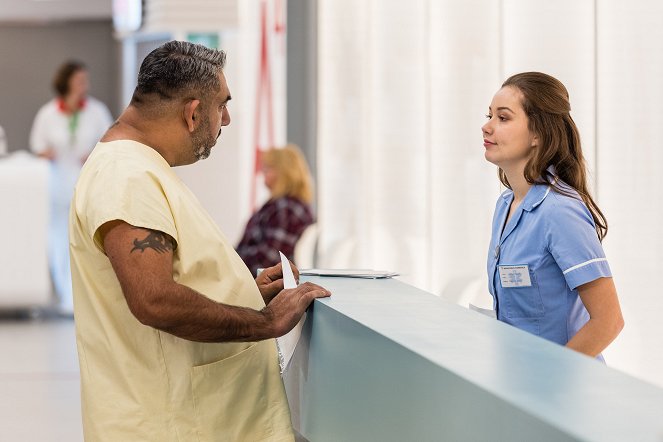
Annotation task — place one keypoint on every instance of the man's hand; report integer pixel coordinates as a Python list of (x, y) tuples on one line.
[(270, 281), (286, 309)]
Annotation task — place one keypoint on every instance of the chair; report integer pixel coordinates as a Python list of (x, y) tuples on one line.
[(306, 248)]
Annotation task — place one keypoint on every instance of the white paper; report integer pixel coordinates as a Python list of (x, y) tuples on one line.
[(349, 273), (288, 278), (484, 311), (288, 342)]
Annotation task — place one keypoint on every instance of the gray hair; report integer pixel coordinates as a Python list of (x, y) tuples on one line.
[(177, 68)]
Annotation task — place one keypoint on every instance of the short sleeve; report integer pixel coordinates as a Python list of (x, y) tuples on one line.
[(136, 198), (573, 242)]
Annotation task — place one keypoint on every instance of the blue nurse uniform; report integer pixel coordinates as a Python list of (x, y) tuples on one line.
[(537, 260)]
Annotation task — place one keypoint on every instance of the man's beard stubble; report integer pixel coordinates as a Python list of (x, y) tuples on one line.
[(202, 141)]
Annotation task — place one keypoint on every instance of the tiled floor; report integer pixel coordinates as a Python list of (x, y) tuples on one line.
[(39, 380)]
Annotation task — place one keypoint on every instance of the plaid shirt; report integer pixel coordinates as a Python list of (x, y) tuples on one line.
[(275, 227)]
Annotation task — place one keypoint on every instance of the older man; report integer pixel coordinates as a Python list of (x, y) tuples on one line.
[(175, 337)]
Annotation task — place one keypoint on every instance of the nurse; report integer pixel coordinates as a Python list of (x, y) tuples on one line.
[(547, 271), (64, 132)]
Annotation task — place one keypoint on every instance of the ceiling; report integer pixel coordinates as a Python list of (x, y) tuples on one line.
[(49, 10)]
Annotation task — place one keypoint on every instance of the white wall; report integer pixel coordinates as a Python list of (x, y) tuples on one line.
[(403, 184)]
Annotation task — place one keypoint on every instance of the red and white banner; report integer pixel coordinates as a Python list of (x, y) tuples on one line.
[(272, 52)]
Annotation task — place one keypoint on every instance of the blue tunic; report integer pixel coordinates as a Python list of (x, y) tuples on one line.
[(552, 238)]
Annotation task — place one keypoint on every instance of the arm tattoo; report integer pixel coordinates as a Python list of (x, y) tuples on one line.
[(155, 240)]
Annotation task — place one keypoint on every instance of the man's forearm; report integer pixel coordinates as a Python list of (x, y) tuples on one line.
[(185, 313)]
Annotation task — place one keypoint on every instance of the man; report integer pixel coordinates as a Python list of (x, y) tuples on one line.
[(175, 338)]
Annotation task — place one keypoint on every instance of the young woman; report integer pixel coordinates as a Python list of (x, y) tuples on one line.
[(547, 271), (279, 223)]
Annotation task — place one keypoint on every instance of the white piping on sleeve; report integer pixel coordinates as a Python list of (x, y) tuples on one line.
[(583, 264)]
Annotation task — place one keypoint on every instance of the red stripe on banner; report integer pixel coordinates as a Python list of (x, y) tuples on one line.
[(279, 24), (264, 93)]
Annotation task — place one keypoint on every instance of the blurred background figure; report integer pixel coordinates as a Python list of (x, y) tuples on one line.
[(279, 223), (64, 131), (3, 142)]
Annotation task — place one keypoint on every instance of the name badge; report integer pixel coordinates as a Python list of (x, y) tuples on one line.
[(515, 276)]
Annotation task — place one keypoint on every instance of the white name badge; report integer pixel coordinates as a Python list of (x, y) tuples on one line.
[(515, 276)]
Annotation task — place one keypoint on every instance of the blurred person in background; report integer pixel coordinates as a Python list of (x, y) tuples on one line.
[(279, 223), (64, 132)]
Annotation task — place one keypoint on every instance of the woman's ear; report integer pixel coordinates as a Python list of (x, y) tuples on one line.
[(535, 141), (190, 111)]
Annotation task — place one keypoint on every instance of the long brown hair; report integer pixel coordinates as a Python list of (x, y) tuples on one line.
[(545, 101)]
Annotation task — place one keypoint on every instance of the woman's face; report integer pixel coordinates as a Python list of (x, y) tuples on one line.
[(79, 84), (506, 137), (270, 176)]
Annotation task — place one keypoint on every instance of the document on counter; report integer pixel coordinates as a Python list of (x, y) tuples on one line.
[(484, 311), (287, 343), (349, 273)]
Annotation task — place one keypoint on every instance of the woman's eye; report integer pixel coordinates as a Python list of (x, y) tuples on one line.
[(489, 116)]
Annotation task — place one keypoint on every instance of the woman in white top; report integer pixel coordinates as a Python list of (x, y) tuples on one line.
[(64, 131)]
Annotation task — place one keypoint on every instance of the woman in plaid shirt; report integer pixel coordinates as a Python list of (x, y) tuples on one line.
[(280, 222)]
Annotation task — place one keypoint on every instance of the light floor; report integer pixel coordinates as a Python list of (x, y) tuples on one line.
[(39, 380)]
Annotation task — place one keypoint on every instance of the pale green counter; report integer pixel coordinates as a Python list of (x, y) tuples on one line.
[(383, 361)]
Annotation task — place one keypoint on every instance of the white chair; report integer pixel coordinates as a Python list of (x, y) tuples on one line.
[(24, 275), (307, 247)]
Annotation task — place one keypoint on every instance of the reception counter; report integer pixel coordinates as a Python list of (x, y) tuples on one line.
[(383, 361)]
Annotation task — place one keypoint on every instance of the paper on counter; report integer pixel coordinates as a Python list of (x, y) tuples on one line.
[(288, 342), (484, 311), (349, 273)]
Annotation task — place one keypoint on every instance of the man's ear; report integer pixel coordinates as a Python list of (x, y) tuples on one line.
[(190, 111)]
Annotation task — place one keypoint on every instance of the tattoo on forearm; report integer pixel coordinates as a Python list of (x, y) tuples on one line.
[(156, 241)]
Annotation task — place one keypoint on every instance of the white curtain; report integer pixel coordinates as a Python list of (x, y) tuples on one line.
[(401, 167), (629, 159), (403, 90)]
